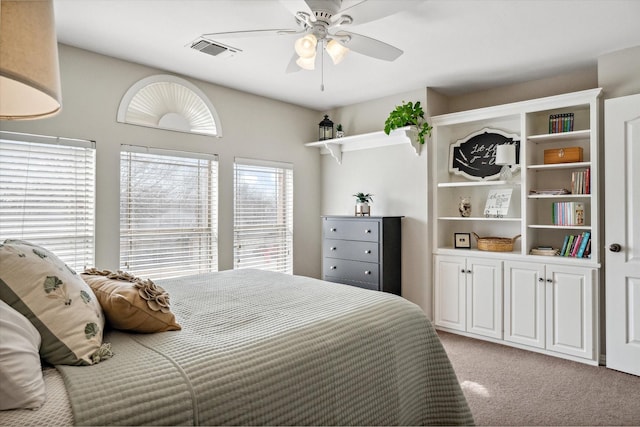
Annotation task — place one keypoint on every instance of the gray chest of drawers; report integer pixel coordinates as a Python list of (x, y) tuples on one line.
[(363, 252)]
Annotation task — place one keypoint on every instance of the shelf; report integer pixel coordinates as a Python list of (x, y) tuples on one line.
[(365, 141), (559, 196), (476, 184), (554, 166), (477, 218), (560, 227), (561, 136)]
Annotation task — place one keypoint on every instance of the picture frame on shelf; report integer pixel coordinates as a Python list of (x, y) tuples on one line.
[(462, 240)]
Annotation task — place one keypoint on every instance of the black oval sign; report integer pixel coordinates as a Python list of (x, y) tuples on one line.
[(475, 156)]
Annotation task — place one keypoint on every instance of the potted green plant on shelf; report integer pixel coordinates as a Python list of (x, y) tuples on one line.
[(339, 131), (408, 114), (362, 203)]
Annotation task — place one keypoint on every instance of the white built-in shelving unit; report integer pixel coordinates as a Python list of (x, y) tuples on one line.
[(541, 303)]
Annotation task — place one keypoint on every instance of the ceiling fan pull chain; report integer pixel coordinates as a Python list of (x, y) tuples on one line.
[(322, 66)]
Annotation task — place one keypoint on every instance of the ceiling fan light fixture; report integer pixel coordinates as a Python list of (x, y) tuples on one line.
[(306, 46), (307, 63), (336, 51)]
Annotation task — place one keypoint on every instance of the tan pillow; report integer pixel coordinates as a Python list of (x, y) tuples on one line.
[(125, 308), (61, 306)]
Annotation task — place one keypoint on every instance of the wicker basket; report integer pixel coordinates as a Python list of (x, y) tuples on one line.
[(496, 244)]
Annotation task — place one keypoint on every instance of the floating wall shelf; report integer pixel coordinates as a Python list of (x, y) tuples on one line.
[(365, 141)]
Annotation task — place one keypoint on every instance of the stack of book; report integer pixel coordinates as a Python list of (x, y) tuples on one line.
[(577, 246), (560, 123), (549, 191), (545, 250), (568, 213), (581, 182)]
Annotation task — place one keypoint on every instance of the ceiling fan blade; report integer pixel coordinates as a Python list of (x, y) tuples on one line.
[(363, 11), (253, 33), (292, 67), (370, 47), (295, 6)]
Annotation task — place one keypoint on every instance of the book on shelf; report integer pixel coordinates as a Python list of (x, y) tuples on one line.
[(580, 182), (561, 122), (544, 250), (576, 246), (567, 213), (550, 191)]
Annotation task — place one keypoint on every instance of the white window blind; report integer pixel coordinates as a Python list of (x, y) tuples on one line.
[(263, 218), (47, 194), (168, 212)]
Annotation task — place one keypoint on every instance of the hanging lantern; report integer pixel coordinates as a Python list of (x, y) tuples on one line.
[(326, 129)]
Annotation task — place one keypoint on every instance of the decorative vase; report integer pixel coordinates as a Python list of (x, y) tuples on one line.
[(465, 206), (363, 209), (339, 133)]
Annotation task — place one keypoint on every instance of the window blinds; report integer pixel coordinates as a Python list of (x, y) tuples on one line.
[(168, 212), (47, 194), (263, 218)]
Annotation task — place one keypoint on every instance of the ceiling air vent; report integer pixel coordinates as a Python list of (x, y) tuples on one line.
[(214, 48)]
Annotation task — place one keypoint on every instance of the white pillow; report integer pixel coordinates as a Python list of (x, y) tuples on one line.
[(21, 381)]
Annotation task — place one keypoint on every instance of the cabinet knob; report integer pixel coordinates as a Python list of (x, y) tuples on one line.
[(333, 229), (333, 267), (549, 281), (463, 271), (333, 248), (540, 279), (368, 251), (367, 231), (615, 247), (367, 272)]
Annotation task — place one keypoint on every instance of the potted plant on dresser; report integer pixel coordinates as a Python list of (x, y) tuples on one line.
[(362, 203)]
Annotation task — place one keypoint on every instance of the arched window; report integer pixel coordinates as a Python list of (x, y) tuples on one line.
[(171, 103)]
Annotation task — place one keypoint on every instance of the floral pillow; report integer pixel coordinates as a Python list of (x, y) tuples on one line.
[(130, 303), (61, 306)]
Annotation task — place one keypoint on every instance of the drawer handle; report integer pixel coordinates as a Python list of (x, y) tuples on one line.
[(333, 229), (367, 272), (368, 251), (367, 231), (333, 267), (333, 248)]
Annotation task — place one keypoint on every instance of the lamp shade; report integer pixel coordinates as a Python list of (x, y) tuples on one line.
[(505, 154), (336, 51), (306, 46), (29, 70)]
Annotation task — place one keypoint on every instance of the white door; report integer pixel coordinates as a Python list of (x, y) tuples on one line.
[(450, 277), (484, 297), (622, 232), (524, 288)]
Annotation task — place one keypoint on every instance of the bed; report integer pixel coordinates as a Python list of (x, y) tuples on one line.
[(263, 348)]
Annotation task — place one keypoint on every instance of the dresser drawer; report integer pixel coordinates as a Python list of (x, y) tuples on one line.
[(364, 285), (351, 249), (350, 230), (363, 272)]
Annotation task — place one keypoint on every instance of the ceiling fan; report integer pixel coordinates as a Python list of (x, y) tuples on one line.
[(322, 23)]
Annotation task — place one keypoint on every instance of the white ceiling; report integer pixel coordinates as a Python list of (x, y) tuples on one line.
[(455, 46)]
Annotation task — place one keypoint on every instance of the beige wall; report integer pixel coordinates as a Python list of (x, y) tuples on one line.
[(253, 127), (619, 72)]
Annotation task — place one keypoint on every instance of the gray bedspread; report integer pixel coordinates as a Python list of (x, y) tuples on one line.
[(271, 349)]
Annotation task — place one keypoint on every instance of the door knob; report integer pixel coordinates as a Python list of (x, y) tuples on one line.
[(615, 247)]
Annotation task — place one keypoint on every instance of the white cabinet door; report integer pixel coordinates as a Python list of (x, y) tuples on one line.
[(524, 300), (484, 297), (570, 310), (450, 274)]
